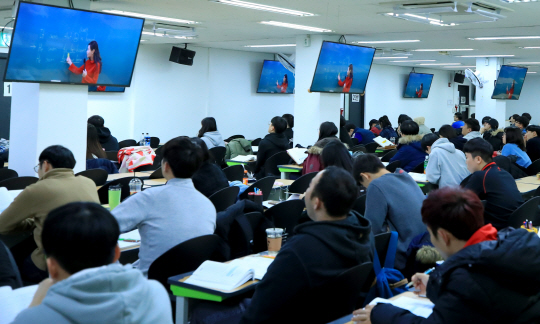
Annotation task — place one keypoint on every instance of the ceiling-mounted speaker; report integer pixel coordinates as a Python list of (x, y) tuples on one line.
[(182, 56), (459, 78)]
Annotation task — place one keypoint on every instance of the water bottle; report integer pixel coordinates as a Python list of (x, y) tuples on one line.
[(147, 140), (142, 140), (393, 140), (425, 163), (135, 186)]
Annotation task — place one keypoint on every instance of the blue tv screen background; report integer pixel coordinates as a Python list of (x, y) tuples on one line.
[(44, 35), (107, 89), (273, 72), (415, 82), (334, 60), (507, 76)]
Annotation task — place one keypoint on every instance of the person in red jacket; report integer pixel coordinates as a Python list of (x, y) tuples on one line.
[(284, 85), (511, 91), (91, 68), (348, 80), (419, 92)]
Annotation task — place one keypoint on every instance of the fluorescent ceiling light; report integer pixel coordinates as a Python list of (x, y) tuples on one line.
[(530, 47), (150, 17), (389, 41), (390, 57), (439, 64), (421, 17), (444, 50), (523, 63), (408, 61), (461, 66), (494, 55), (295, 26), (530, 72), (257, 6), (168, 35), (504, 37), (279, 45)]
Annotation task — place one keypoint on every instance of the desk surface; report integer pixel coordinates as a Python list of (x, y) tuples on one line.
[(529, 180), (526, 187), (133, 235), (290, 166), (116, 176)]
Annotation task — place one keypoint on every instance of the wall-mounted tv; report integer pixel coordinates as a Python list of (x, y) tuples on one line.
[(275, 78), (101, 47), (509, 82), (418, 85), (342, 68), (105, 89)]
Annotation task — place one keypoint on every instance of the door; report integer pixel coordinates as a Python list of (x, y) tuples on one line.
[(5, 100)]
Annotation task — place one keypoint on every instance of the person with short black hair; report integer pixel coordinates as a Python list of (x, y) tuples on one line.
[(289, 133), (491, 183), (387, 131), (338, 235), (458, 120), (374, 127), (484, 121), (344, 135), (271, 144), (107, 141), (449, 132), (171, 214), (86, 284), (471, 129), (57, 186), (515, 146), (521, 123), (393, 202), (410, 151), (528, 116), (512, 119), (209, 178), (533, 142), (446, 166), (336, 154), (209, 133), (493, 134), (481, 281)]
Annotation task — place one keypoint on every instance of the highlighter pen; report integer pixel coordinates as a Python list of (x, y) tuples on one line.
[(410, 284)]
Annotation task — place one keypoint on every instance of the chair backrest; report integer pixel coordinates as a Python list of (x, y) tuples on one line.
[(286, 215), (301, 184), (526, 211), (393, 166), (265, 185), (151, 167), (357, 148), (156, 174), (234, 137), (247, 234), (360, 205), (159, 151), (381, 244), (112, 155), (534, 168), (103, 192), (256, 142), (388, 156), (6, 173), (19, 183), (224, 198), (154, 142), (98, 175), (127, 143), (271, 164), (184, 257), (218, 153), (419, 168), (14, 269), (371, 147), (234, 173)]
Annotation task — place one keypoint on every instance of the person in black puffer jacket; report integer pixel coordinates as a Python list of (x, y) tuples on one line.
[(271, 144), (493, 134), (107, 141), (209, 178)]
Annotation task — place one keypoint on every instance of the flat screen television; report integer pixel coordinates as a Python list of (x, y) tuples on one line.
[(509, 82), (342, 68), (418, 85), (45, 38), (275, 78), (105, 89)]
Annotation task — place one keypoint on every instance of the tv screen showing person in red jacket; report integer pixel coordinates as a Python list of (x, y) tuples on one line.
[(91, 68), (511, 91), (347, 83), (284, 84), (419, 92)]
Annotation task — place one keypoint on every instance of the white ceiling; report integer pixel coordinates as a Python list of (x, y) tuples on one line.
[(230, 27)]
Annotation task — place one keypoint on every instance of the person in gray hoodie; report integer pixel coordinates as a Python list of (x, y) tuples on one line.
[(471, 129), (209, 133), (86, 283), (393, 202), (446, 165), (423, 129)]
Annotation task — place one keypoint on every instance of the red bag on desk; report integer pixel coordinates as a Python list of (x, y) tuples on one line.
[(133, 157)]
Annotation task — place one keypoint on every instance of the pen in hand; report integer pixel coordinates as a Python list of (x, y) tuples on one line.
[(411, 284)]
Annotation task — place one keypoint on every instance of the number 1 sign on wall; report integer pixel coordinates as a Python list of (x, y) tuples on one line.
[(7, 89)]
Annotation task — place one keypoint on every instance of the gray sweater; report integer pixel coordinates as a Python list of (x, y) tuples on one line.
[(393, 203), (166, 216), (213, 139), (446, 165)]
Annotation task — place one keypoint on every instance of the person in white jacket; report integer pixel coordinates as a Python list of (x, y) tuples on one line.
[(446, 165)]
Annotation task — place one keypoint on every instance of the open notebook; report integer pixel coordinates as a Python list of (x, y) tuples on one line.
[(245, 158), (298, 154), (228, 276), (419, 307), (7, 197), (12, 302), (383, 142), (133, 239)]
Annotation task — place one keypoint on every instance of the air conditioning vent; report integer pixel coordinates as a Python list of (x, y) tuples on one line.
[(485, 6)]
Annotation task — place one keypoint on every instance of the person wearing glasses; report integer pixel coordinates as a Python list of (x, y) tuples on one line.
[(57, 186)]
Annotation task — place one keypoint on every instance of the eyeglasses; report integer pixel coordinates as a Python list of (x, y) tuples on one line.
[(36, 168)]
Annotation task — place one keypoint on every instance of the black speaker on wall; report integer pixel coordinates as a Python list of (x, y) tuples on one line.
[(459, 78), (182, 56)]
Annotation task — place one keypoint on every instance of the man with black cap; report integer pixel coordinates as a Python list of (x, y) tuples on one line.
[(493, 134)]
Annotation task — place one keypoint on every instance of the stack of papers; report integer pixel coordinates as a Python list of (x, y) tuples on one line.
[(417, 306), (383, 142), (14, 302), (298, 154), (7, 197), (245, 158), (418, 177), (131, 236)]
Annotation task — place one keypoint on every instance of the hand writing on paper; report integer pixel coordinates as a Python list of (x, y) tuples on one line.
[(362, 315), (420, 281)]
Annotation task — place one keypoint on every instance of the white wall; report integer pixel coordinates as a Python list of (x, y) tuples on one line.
[(384, 96), (528, 102)]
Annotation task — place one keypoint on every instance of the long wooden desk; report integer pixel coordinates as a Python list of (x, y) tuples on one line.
[(288, 168), (529, 180)]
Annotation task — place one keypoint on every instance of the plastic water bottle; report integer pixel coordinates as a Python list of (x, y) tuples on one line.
[(425, 163), (135, 186), (142, 140), (147, 140), (393, 140)]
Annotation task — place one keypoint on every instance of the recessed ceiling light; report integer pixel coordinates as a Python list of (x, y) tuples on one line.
[(461, 66), (295, 26), (530, 47), (444, 50), (168, 35), (504, 37), (524, 63), (439, 64), (389, 57), (279, 45), (257, 6), (139, 15), (408, 61), (388, 41), (517, 1), (421, 17), (494, 55), (530, 72)]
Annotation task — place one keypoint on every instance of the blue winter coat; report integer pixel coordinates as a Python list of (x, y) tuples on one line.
[(409, 152), (388, 132)]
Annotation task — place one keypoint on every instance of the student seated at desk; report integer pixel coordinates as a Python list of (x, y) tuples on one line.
[(344, 134), (337, 240), (374, 127), (387, 131), (449, 132), (423, 129), (533, 142), (86, 283), (488, 276), (522, 123), (446, 166), (491, 183), (56, 187), (514, 146), (363, 136), (273, 143), (209, 133), (471, 129), (95, 155), (410, 151), (209, 178), (289, 133), (313, 162), (393, 202), (171, 214), (493, 134), (458, 121), (109, 142)]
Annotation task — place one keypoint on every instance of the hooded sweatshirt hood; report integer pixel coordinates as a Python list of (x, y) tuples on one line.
[(419, 120), (279, 140), (408, 139), (443, 143), (496, 132), (319, 146), (471, 135), (108, 294), (447, 165), (213, 139), (104, 134)]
